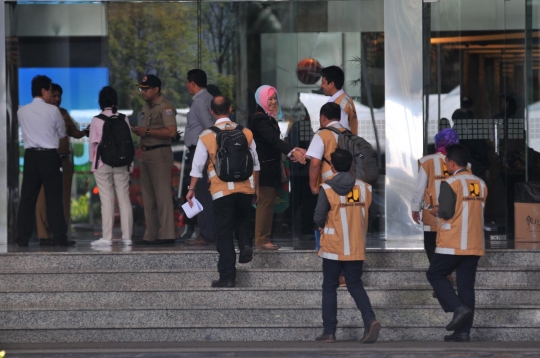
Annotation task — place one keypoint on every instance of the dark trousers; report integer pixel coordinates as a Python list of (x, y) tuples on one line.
[(41, 168), (353, 276), (202, 193), (465, 266), (430, 243), (231, 219)]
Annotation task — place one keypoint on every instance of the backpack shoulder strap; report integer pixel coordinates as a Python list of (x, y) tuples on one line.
[(239, 127), (103, 117), (215, 129), (122, 116), (335, 130)]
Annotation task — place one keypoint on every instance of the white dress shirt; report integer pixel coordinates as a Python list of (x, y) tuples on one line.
[(201, 155), (344, 116), (42, 124), (316, 147)]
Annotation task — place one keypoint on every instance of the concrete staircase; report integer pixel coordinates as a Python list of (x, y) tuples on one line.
[(165, 296)]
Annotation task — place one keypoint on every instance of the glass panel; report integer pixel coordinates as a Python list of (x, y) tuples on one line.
[(243, 45), (477, 86)]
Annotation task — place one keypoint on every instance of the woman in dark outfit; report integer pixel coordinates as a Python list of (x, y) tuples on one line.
[(270, 147)]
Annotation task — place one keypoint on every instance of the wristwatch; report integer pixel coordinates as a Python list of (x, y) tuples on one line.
[(148, 132), (188, 188)]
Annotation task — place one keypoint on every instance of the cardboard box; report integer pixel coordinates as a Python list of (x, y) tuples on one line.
[(527, 222)]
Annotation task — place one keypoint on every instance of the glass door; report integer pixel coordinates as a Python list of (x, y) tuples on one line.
[(476, 84)]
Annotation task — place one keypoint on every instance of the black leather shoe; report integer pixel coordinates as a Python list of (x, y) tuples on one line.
[(461, 314), (47, 242), (327, 338), (371, 333), (218, 283), (155, 242), (167, 242), (66, 243), (187, 235), (458, 337), (246, 255)]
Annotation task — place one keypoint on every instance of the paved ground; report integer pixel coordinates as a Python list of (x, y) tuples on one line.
[(276, 350)]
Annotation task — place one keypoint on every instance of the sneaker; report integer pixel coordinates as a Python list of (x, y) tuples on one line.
[(127, 242), (101, 242)]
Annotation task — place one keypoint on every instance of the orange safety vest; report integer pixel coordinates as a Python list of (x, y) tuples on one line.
[(463, 233), (343, 237), (436, 171), (219, 188), (347, 105), (329, 140)]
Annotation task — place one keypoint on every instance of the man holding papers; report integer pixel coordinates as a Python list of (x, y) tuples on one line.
[(231, 199)]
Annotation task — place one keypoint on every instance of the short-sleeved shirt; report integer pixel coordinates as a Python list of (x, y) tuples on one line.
[(159, 115), (41, 124)]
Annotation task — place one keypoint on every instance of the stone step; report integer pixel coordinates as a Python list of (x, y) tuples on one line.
[(248, 298), (284, 333), (392, 317), (299, 278), (45, 262)]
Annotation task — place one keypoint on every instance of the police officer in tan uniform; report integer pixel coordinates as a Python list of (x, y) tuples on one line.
[(64, 150), (158, 127)]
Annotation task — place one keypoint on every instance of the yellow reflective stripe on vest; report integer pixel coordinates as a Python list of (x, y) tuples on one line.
[(329, 230), (327, 174), (217, 195), (345, 227), (445, 251), (327, 255), (230, 185), (212, 174)]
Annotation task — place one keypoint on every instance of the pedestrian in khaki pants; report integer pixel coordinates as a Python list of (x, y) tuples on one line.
[(158, 127), (64, 150)]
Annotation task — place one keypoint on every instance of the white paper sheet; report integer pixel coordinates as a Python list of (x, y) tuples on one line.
[(191, 211)]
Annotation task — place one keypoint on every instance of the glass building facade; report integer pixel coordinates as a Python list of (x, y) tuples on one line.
[(412, 67)]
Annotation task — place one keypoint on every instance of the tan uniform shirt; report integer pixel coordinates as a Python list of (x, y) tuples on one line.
[(64, 147), (159, 115)]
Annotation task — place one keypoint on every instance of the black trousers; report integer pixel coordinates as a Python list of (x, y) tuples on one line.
[(231, 219), (465, 266), (430, 243), (353, 276), (41, 168), (202, 193)]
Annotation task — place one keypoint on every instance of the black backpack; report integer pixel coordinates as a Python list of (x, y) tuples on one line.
[(234, 160), (364, 157), (116, 147)]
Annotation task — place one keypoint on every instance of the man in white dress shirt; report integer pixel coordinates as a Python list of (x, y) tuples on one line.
[(333, 79), (42, 127)]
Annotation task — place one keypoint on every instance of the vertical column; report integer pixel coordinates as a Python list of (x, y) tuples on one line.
[(403, 104), (3, 134)]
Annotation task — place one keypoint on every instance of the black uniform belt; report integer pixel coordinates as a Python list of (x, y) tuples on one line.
[(42, 149), (154, 147)]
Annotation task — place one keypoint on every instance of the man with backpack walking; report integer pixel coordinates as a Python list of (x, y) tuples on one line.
[(158, 127), (233, 169), (330, 136)]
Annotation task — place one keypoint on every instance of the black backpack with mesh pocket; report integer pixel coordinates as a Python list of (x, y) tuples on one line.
[(364, 165), (116, 147), (234, 160)]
